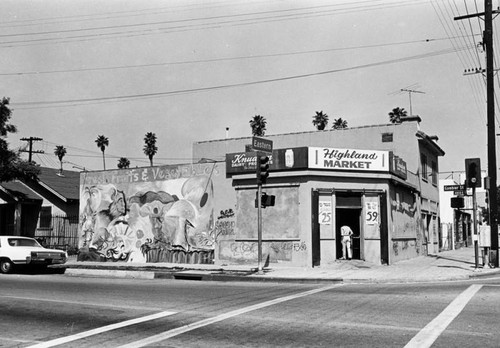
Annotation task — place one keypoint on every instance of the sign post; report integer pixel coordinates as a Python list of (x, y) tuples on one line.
[(263, 147)]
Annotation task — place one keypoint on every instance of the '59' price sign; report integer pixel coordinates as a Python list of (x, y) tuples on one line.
[(371, 213)]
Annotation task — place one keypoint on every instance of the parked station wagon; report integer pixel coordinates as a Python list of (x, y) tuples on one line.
[(17, 250)]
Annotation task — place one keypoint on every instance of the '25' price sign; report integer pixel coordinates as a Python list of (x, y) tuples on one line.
[(325, 213)]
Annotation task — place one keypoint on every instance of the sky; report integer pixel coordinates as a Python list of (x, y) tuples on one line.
[(187, 70)]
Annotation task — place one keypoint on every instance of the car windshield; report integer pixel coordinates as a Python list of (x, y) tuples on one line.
[(23, 242)]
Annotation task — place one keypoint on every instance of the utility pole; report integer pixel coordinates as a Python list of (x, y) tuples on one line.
[(30, 140), (490, 100)]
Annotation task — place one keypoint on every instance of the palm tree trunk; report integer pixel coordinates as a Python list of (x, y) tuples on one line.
[(103, 161)]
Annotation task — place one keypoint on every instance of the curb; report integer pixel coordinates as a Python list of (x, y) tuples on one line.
[(249, 276)]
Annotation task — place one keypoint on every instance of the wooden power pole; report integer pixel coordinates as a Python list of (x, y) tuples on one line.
[(490, 101)]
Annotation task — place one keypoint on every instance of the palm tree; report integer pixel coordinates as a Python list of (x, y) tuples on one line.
[(150, 148), (339, 123), (258, 124), (397, 114), (60, 152), (102, 142), (320, 120), (123, 163)]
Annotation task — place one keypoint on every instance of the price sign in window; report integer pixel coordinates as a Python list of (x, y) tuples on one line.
[(372, 213), (325, 213)]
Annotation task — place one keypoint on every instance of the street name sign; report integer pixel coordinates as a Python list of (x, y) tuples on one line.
[(454, 187), (261, 144)]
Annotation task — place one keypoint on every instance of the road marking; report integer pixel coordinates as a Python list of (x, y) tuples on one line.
[(100, 305), (430, 333), (180, 330), (100, 330)]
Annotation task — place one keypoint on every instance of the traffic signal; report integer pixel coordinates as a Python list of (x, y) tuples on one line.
[(473, 172), (265, 200), (457, 202), (262, 169)]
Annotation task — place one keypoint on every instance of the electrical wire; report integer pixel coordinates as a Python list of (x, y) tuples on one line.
[(188, 27), (223, 59), (86, 101)]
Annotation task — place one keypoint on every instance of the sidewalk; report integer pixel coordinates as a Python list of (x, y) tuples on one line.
[(448, 265)]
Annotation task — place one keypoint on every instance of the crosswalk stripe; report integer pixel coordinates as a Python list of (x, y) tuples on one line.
[(100, 330), (180, 330), (426, 337)]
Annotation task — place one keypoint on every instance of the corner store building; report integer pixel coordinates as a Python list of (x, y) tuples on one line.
[(381, 180)]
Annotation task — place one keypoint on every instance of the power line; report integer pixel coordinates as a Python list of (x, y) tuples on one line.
[(86, 101), (196, 26), (224, 58)]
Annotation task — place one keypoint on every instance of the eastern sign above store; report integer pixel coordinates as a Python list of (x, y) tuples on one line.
[(348, 159)]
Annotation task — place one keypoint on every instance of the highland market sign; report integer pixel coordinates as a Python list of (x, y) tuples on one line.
[(301, 158), (348, 159)]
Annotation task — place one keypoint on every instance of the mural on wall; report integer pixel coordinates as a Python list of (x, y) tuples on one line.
[(156, 214)]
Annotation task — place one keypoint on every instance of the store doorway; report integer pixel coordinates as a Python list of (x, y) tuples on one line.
[(351, 218)]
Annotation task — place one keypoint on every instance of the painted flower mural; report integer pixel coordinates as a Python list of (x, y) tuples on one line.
[(152, 221)]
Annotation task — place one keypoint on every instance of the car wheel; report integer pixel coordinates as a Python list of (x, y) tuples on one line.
[(6, 266)]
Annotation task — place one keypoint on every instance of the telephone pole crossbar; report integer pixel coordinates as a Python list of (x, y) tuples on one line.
[(30, 140)]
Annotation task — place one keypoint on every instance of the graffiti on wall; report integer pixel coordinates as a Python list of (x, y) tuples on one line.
[(271, 251), (401, 247), (225, 224), (148, 215)]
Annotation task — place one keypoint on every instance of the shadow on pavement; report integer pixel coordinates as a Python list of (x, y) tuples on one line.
[(35, 270)]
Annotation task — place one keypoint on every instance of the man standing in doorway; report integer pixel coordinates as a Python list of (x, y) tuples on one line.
[(346, 233)]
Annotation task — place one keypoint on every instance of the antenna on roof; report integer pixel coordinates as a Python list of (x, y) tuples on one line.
[(410, 91)]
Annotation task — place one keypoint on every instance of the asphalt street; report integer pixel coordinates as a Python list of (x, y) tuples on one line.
[(50, 310)]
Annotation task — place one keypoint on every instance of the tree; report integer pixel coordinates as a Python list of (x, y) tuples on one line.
[(397, 114), (102, 142), (60, 152), (320, 120), (150, 148), (258, 124), (339, 123), (11, 165), (123, 163)]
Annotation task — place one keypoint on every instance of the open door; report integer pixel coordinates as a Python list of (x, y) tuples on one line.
[(315, 240), (351, 218)]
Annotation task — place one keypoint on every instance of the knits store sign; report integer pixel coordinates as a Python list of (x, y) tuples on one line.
[(348, 159)]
